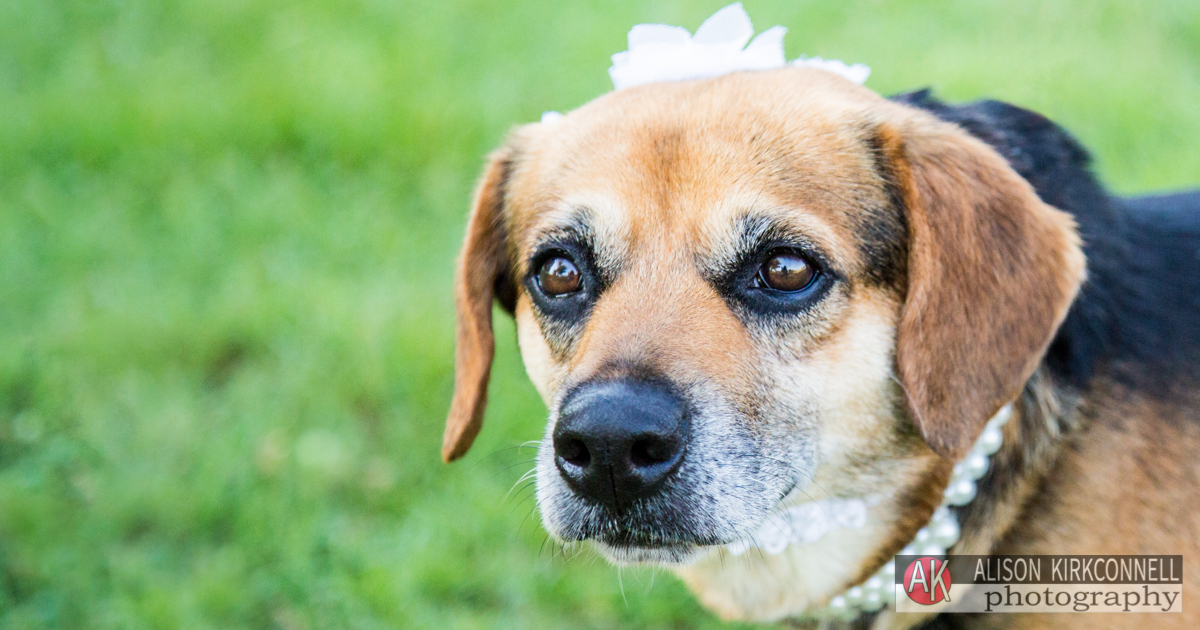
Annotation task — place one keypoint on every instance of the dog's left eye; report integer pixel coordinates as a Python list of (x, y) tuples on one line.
[(787, 272)]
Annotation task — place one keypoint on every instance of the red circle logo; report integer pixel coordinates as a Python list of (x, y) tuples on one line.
[(927, 580)]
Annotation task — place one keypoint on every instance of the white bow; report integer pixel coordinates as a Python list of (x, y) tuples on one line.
[(658, 52)]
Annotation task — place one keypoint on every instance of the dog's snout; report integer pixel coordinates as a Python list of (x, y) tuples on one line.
[(617, 441)]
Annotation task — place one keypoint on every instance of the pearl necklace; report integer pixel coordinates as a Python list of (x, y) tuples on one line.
[(934, 539)]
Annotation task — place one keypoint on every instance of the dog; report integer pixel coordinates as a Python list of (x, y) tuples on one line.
[(753, 291)]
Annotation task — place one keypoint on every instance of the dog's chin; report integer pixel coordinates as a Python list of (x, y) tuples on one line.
[(674, 555)]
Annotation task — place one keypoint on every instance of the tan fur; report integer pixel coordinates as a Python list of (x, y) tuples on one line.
[(891, 375), (482, 261)]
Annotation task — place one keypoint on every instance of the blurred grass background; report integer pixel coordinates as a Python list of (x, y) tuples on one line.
[(227, 230)]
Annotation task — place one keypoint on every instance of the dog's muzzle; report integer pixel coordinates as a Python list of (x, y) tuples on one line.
[(620, 441)]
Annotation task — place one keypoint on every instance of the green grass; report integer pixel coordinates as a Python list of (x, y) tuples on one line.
[(226, 238)]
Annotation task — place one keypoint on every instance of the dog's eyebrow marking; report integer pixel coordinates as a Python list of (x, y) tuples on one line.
[(577, 225), (753, 233), (572, 225)]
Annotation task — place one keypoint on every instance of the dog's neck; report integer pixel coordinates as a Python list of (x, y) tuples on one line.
[(939, 535), (1044, 415)]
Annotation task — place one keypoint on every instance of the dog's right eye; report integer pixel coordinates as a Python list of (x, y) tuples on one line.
[(786, 272), (562, 282), (559, 276)]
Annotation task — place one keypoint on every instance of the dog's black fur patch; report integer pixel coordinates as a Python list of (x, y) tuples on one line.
[(883, 232), (1137, 317)]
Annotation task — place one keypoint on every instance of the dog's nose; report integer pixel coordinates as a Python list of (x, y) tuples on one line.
[(617, 441)]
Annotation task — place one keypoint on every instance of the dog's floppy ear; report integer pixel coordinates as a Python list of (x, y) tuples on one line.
[(481, 268), (992, 271)]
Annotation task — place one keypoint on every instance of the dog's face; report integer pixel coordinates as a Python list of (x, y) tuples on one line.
[(745, 292)]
